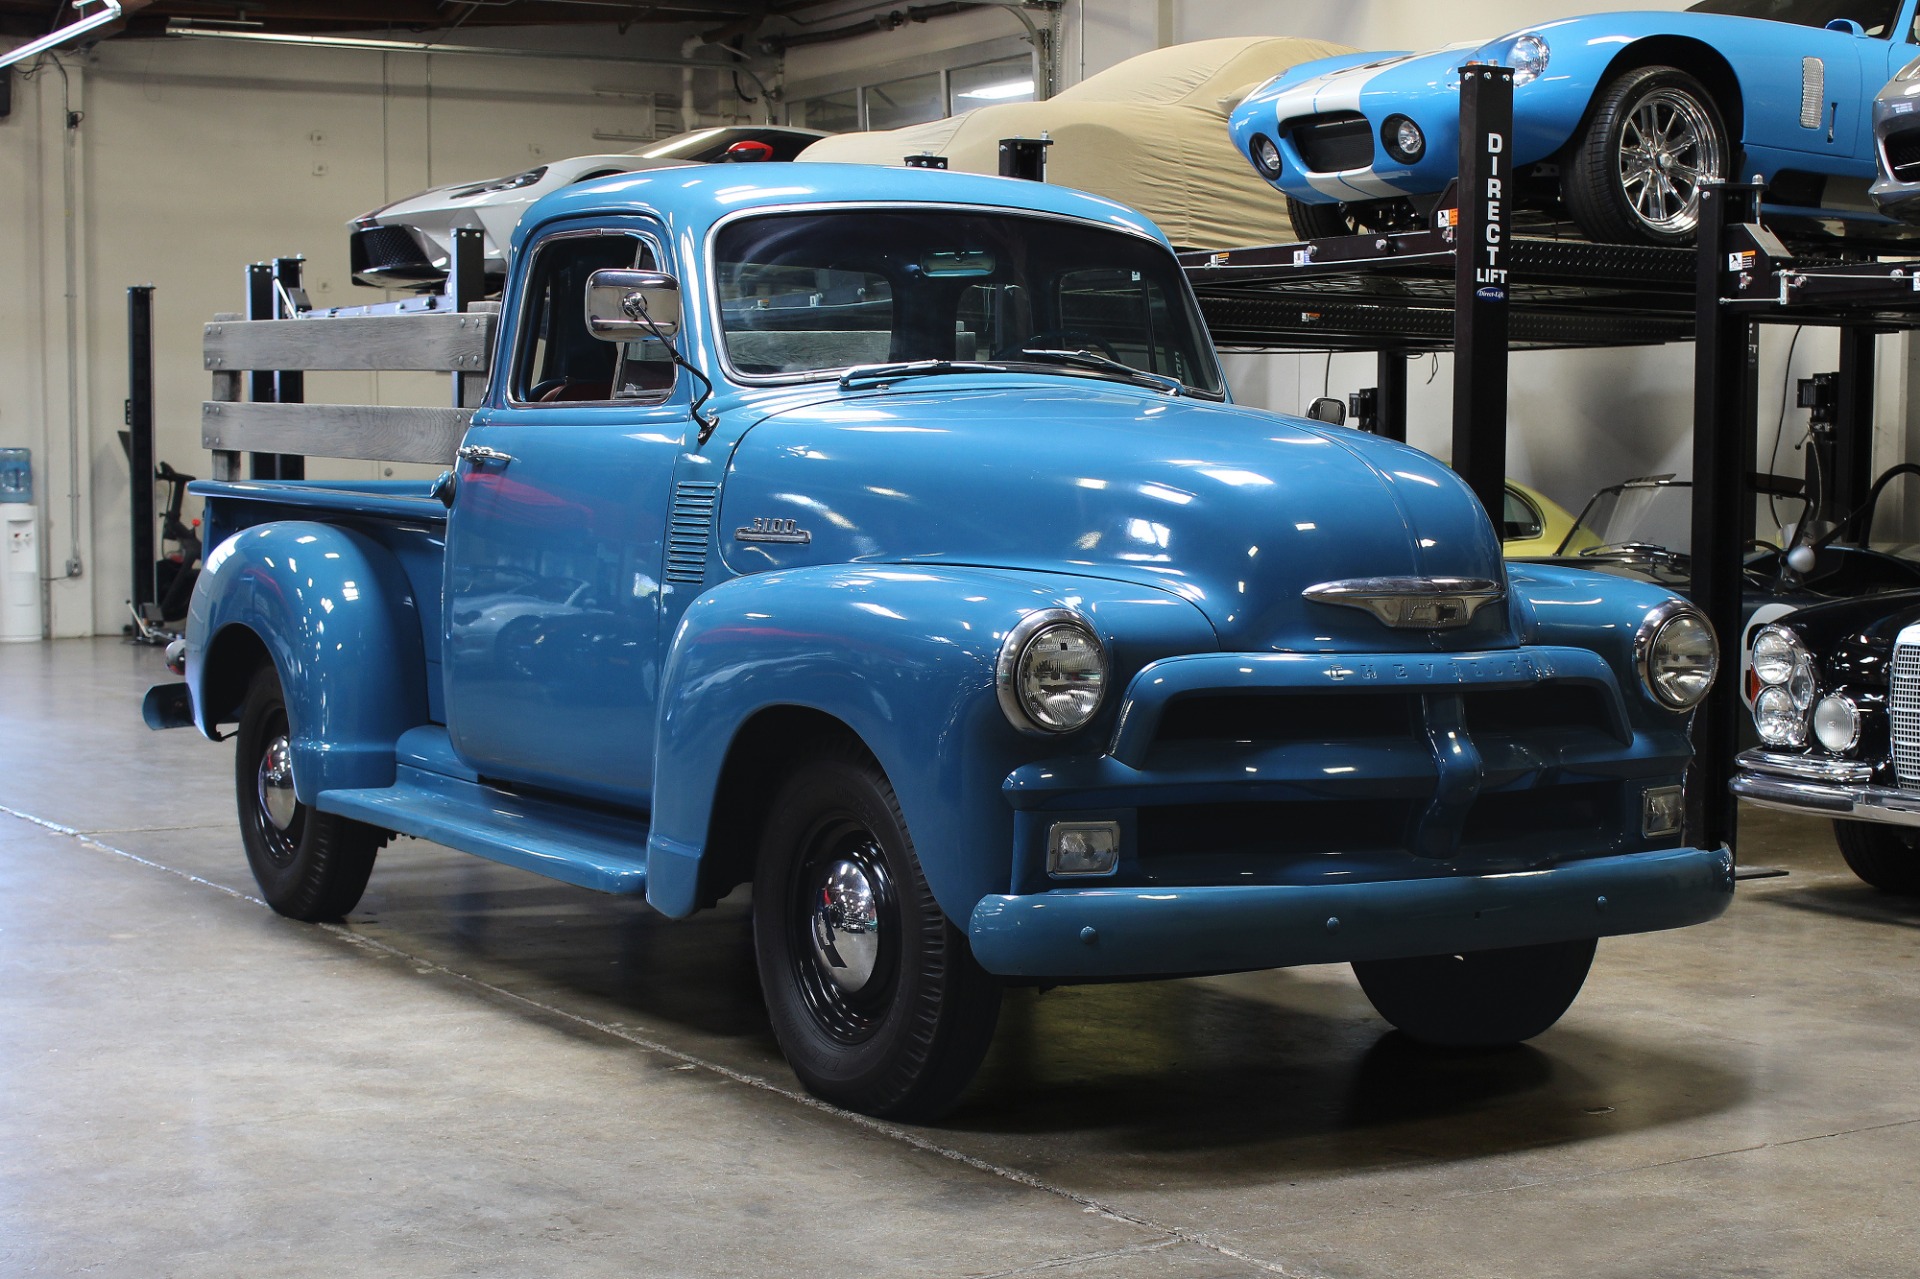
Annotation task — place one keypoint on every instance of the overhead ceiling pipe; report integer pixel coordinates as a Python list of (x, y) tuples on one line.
[(110, 13), (468, 50)]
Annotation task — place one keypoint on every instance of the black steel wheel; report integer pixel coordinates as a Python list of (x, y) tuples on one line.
[(1481, 998), (1376, 217), (1887, 857), (1653, 140), (874, 996), (309, 865)]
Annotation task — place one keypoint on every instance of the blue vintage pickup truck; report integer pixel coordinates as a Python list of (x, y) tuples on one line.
[(887, 540)]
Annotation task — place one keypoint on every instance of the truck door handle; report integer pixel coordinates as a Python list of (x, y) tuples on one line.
[(480, 453)]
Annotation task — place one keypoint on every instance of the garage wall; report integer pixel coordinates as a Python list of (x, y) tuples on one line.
[(194, 158)]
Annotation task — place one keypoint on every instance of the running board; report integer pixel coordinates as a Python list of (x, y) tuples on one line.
[(594, 850)]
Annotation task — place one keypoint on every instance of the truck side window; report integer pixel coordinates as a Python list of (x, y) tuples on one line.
[(560, 362)]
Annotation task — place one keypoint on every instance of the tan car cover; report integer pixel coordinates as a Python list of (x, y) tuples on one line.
[(1150, 132)]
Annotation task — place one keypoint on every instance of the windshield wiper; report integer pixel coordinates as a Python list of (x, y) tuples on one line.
[(1104, 364), (914, 368)]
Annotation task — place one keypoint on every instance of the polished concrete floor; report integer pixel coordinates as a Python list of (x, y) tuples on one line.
[(485, 1073)]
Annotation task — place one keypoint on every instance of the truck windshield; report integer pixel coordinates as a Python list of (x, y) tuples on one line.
[(818, 293)]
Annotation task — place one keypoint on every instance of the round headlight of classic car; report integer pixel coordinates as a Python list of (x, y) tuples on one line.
[(1528, 57), (1836, 722), (1776, 652), (1052, 672), (1777, 720), (1266, 155), (1677, 655), (1402, 139)]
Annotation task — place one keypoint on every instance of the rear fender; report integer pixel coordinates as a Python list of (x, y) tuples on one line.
[(334, 612), (903, 657)]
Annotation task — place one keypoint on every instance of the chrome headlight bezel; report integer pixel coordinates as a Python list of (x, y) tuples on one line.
[(1646, 648), (1011, 668), (1793, 724), (1528, 55), (1797, 655)]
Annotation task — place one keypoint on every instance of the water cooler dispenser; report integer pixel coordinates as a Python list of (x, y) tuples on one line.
[(20, 556)]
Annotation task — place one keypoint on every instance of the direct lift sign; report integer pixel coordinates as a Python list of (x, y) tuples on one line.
[(1482, 281), (1490, 280)]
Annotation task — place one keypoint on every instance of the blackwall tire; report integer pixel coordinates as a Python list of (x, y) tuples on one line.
[(1479, 999), (309, 865), (1654, 136), (874, 996), (1887, 857)]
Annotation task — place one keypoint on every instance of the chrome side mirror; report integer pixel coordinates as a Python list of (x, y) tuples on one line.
[(1329, 410), (624, 306)]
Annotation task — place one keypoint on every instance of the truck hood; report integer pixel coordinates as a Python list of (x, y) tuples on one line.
[(1236, 510)]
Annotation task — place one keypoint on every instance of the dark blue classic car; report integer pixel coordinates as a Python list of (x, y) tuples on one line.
[(1618, 118), (887, 539)]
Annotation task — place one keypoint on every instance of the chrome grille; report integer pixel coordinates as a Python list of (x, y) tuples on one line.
[(1903, 704), (689, 528)]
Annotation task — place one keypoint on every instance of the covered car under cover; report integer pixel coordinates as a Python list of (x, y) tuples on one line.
[(1150, 132)]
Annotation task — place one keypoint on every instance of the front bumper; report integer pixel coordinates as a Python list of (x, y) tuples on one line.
[(1824, 788), (1093, 933)]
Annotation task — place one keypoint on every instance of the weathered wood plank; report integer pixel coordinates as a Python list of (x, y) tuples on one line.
[(449, 342), (226, 462), (368, 431)]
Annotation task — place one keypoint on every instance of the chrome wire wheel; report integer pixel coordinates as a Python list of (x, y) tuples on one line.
[(844, 949), (1669, 146)]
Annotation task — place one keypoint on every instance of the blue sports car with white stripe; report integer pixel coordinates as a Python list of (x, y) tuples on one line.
[(1618, 119)]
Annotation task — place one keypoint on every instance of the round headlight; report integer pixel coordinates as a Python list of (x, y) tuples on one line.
[(1403, 139), (1528, 57), (1776, 651), (1801, 687), (1266, 155), (1052, 672), (1677, 655), (1776, 720), (1836, 722)]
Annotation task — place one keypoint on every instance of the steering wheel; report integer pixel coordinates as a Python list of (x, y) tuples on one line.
[(1057, 340)]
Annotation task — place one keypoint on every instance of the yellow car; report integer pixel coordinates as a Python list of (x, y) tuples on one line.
[(1533, 525)]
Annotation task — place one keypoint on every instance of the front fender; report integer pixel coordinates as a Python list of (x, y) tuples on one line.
[(904, 657), (1580, 608), (338, 618)]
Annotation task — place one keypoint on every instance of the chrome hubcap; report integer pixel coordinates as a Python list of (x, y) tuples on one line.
[(845, 941), (846, 927), (1668, 148), (276, 784)]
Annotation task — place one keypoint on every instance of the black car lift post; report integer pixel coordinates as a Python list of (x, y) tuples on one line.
[(1481, 261), (1725, 387), (140, 465), (267, 284)]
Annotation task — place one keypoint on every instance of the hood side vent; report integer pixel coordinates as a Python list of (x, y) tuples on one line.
[(690, 530), (1813, 92)]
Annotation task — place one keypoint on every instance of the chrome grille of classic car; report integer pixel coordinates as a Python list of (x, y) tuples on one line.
[(1903, 706), (1332, 142)]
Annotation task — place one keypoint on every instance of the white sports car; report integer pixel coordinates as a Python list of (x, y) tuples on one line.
[(409, 244)]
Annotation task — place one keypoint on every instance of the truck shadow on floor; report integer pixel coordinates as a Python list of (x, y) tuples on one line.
[(1201, 1081)]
